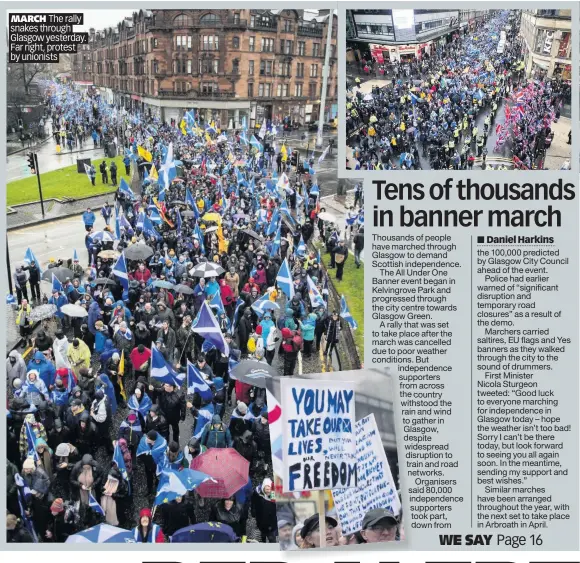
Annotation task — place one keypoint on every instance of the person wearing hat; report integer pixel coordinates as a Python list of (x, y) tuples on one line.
[(263, 507), (59, 527), (379, 525), (310, 532), (36, 479), (79, 356), (285, 534)]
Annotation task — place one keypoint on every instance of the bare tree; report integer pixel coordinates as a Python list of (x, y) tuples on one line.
[(25, 73)]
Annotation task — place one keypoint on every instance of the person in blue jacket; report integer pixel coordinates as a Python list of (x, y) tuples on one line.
[(127, 163), (89, 219), (45, 368), (58, 300), (307, 327), (106, 212)]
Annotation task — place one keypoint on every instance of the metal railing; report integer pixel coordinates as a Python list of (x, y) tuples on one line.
[(309, 31)]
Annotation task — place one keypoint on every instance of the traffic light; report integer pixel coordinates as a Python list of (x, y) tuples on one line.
[(31, 162)]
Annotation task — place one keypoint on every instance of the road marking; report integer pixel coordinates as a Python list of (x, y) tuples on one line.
[(299, 363)]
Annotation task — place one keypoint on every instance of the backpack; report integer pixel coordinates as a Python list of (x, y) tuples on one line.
[(298, 342)]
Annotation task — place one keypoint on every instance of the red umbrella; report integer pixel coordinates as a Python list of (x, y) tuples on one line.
[(227, 467)]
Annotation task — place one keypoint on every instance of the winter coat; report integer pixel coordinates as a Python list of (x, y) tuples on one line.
[(264, 511), (16, 369), (45, 368), (216, 434)]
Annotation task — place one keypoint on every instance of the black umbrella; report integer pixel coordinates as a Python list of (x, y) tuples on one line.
[(183, 289), (105, 281), (60, 273), (138, 251), (252, 234), (253, 372)]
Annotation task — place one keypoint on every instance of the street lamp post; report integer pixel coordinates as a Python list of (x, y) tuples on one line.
[(39, 185), (325, 73), (8, 268)]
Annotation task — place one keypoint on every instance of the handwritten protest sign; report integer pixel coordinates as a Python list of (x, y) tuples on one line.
[(375, 488), (318, 435)]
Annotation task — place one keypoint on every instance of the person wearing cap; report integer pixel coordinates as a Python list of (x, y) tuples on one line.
[(310, 532), (59, 527), (285, 534), (379, 525)]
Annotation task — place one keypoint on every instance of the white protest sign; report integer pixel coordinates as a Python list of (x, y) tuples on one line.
[(318, 435), (376, 487)]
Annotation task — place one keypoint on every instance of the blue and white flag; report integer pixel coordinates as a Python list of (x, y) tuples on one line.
[(191, 202), (30, 258), (274, 221), (24, 495), (93, 503), (316, 299), (284, 280), (156, 451), (120, 272), (117, 228), (178, 221), (259, 306), (149, 229), (197, 384), (168, 170), (216, 303), (142, 407), (56, 285), (345, 314), (75, 255), (154, 215), (256, 144), (239, 304), (162, 370), (173, 484), (125, 189), (301, 248), (197, 231), (243, 138), (208, 327), (204, 416), (31, 442), (124, 224), (277, 241), (119, 461), (314, 190)]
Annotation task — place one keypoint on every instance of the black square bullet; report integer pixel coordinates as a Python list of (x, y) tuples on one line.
[(480, 240)]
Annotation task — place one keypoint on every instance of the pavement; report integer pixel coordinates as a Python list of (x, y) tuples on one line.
[(556, 155)]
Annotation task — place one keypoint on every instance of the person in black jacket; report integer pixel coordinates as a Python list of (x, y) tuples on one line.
[(60, 434), (15, 531), (228, 511), (264, 511), (245, 445), (89, 466), (156, 421), (359, 244), (177, 514), (172, 404), (58, 529), (86, 437), (34, 281)]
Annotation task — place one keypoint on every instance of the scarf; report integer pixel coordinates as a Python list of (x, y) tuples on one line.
[(108, 503)]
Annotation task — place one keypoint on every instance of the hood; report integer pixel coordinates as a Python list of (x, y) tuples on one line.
[(247, 437), (39, 356), (312, 316), (76, 389), (94, 307), (216, 419), (15, 354), (41, 442), (84, 416), (108, 345), (87, 460)]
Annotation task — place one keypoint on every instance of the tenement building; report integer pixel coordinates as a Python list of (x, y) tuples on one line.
[(223, 64)]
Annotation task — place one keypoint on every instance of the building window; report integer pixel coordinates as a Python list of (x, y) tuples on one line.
[(316, 49), (183, 42), (301, 48), (209, 19), (267, 45), (266, 68), (251, 68), (182, 21), (312, 90), (210, 43), (182, 66), (154, 43), (298, 90), (264, 90), (236, 42), (252, 44), (287, 26), (282, 91), (286, 46), (250, 89), (284, 69), (181, 86), (209, 87), (300, 70), (235, 66), (237, 17), (155, 67), (208, 66), (313, 71)]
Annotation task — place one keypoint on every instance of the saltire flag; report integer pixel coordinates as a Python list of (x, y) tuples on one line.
[(277, 242), (208, 327), (314, 190), (284, 209), (283, 181), (156, 451), (216, 303), (197, 231), (130, 153), (162, 370), (178, 222), (75, 255), (284, 279), (301, 248), (88, 173), (240, 177), (154, 215), (273, 226), (256, 144), (168, 170), (204, 416), (149, 229), (93, 503), (119, 461), (144, 153), (173, 484), (191, 202), (211, 128), (244, 124), (24, 494), (244, 138), (120, 272), (124, 188), (258, 305), (124, 223), (345, 314), (239, 304), (56, 285), (197, 384), (30, 258), (31, 442), (323, 155), (414, 99), (142, 407), (316, 299), (263, 129)]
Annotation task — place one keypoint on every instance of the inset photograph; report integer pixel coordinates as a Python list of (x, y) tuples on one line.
[(326, 495), (458, 89)]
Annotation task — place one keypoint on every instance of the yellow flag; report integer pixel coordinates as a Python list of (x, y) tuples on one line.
[(182, 126), (121, 372), (144, 153), (284, 152), (207, 138), (153, 173)]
